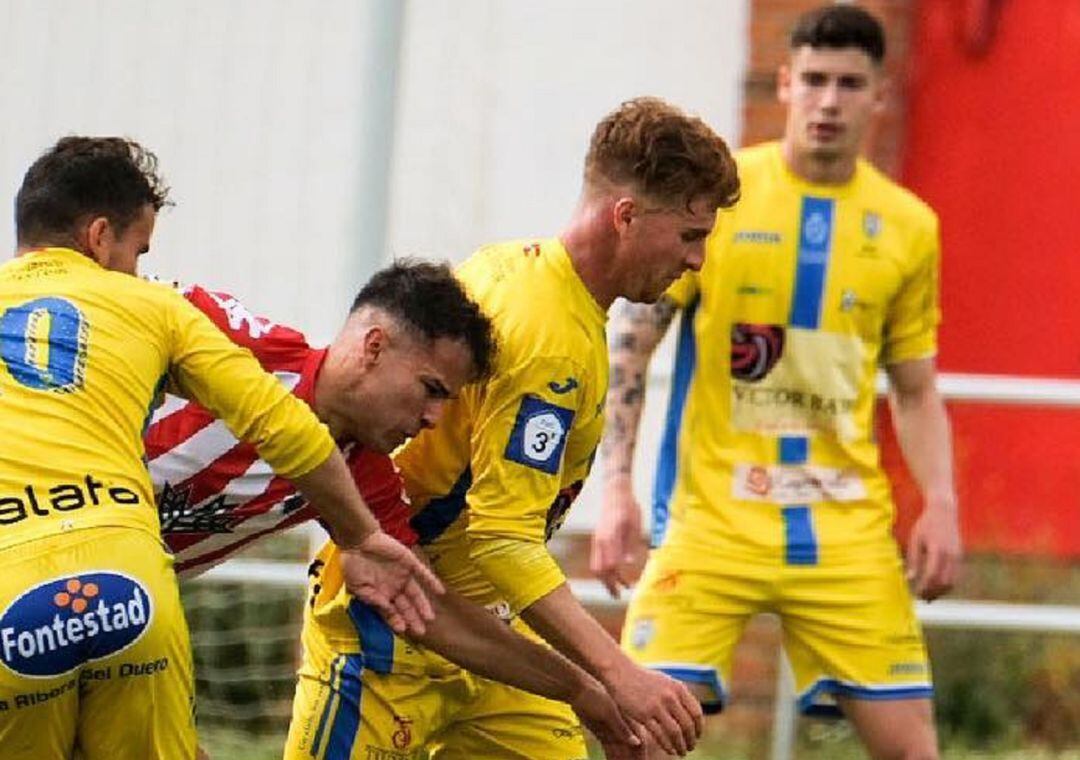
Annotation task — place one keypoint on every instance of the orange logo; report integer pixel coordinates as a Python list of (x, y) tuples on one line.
[(403, 736), (532, 249), (667, 582), (758, 481), (76, 595)]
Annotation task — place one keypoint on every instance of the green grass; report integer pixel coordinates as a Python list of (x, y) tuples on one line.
[(829, 742)]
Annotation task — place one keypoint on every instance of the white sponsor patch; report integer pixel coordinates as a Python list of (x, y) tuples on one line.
[(813, 389), (796, 484)]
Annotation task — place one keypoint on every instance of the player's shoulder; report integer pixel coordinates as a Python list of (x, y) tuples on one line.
[(135, 291), (895, 199), (531, 292), (754, 159)]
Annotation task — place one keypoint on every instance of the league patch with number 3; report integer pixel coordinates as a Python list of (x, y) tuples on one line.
[(539, 435)]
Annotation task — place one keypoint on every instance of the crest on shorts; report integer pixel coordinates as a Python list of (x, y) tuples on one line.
[(871, 223), (643, 632)]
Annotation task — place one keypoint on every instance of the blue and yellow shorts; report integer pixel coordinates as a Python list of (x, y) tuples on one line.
[(364, 693), (848, 630), (95, 650)]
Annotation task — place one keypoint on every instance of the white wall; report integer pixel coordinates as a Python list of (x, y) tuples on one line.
[(497, 100), (255, 109), (274, 121)]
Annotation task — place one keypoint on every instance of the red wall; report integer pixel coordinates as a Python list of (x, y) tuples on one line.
[(993, 144)]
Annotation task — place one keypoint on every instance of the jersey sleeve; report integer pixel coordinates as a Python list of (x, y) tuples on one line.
[(914, 313), (379, 482), (273, 344), (209, 368), (523, 421)]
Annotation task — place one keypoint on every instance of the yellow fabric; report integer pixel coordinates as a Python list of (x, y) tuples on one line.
[(489, 484), (846, 629), (877, 303), (343, 710), (132, 704), (85, 352), (496, 463)]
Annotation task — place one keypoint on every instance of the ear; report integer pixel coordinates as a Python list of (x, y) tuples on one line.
[(375, 340), (881, 94), (96, 238), (783, 84), (622, 214)]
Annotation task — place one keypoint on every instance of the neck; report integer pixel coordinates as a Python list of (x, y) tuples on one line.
[(819, 170), (589, 251), (325, 393)]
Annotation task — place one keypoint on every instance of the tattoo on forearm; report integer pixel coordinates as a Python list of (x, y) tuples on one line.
[(636, 330), (634, 392)]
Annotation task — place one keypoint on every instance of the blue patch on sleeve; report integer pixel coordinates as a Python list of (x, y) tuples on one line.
[(539, 435)]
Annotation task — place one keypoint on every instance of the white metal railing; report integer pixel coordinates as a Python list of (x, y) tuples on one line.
[(992, 389)]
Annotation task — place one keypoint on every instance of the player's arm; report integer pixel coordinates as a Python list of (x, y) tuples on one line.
[(228, 381), (663, 706), (635, 330), (518, 442), (922, 429), (473, 638), (920, 419)]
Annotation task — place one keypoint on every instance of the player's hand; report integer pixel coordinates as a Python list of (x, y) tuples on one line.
[(599, 714), (617, 543), (934, 552), (383, 573), (665, 707)]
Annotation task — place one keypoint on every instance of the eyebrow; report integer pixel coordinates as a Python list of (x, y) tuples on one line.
[(436, 386)]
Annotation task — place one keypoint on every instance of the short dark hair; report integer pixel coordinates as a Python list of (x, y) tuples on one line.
[(667, 155), (840, 26), (82, 177), (427, 298)]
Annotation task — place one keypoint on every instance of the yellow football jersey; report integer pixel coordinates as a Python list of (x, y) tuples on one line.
[(805, 290), (494, 478), (84, 352)]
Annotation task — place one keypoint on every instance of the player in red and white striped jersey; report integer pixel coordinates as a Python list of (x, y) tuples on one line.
[(215, 495), (411, 341)]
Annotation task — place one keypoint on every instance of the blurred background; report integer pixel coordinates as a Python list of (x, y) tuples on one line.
[(309, 143)]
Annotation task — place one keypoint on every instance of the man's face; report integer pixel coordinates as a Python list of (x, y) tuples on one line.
[(660, 244), (120, 252), (406, 390), (831, 96)]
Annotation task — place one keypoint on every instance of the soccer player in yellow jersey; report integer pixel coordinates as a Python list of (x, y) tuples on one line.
[(494, 479), (94, 655), (769, 494)]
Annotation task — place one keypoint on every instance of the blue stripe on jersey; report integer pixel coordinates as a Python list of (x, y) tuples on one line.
[(376, 638), (439, 514), (668, 461), (793, 449), (347, 720), (328, 708), (799, 536), (815, 241), (815, 238)]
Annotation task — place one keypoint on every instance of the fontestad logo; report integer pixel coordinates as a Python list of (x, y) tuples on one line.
[(56, 626)]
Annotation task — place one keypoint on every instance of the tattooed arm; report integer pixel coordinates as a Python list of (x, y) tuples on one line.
[(635, 330)]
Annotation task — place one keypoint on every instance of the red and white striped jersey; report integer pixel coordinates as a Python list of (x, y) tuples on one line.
[(214, 494)]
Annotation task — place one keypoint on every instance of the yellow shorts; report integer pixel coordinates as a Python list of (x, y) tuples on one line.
[(848, 631), (95, 650), (377, 697)]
